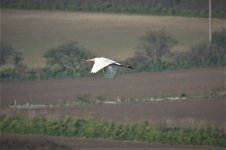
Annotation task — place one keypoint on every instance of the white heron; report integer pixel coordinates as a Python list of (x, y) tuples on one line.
[(107, 65)]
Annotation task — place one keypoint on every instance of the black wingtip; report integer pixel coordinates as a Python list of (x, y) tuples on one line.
[(130, 67)]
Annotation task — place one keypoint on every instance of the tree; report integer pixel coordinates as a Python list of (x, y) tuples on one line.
[(153, 50), (206, 54), (68, 57), (156, 44), (17, 58), (219, 38), (6, 52)]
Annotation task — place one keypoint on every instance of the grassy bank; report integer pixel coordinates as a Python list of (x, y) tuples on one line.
[(108, 130)]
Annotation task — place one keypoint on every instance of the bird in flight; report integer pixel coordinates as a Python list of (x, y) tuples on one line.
[(108, 66)]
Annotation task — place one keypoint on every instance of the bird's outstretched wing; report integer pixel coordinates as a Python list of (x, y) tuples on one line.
[(110, 71), (101, 63)]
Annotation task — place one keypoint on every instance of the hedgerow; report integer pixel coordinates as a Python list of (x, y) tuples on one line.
[(154, 54), (151, 7), (91, 128)]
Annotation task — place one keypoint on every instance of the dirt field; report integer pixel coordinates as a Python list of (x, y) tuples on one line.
[(193, 112), (111, 35), (140, 85), (196, 113), (38, 142)]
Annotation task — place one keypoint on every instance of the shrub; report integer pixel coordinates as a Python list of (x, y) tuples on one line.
[(206, 55), (6, 51), (156, 45), (153, 52), (69, 57), (84, 99), (219, 38)]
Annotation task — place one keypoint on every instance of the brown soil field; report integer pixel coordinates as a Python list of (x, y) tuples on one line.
[(114, 36), (196, 113), (192, 112), (137, 85), (40, 142)]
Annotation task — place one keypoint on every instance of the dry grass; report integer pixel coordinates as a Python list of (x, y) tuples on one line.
[(110, 35)]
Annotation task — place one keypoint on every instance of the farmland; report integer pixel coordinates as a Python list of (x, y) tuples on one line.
[(201, 106), (35, 32), (174, 107), (49, 142), (199, 86)]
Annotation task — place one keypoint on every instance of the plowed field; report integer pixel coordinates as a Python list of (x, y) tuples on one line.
[(114, 36), (9, 142), (140, 85), (192, 112)]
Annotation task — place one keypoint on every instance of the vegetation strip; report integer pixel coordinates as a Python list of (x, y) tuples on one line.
[(108, 130), (154, 54), (172, 7), (85, 99)]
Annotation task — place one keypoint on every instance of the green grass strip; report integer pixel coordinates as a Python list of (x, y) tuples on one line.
[(91, 128)]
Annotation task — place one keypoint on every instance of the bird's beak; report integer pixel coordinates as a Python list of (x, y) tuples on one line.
[(89, 60)]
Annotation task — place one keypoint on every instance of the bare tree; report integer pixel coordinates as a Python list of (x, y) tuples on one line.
[(156, 44)]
